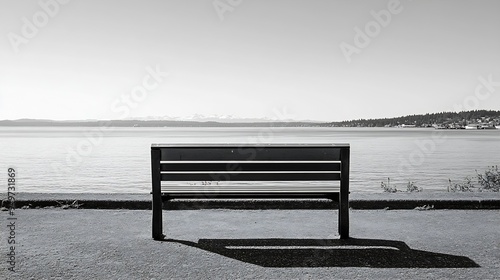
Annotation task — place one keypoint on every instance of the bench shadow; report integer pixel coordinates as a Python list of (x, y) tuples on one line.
[(328, 253)]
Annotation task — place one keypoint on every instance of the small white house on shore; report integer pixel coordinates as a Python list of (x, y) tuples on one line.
[(473, 126)]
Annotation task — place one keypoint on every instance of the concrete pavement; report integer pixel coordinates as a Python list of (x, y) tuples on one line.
[(263, 244)]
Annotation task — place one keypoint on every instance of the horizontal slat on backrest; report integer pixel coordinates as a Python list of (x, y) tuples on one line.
[(243, 166), (250, 176), (250, 153)]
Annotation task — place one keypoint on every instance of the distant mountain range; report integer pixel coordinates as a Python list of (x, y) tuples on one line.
[(152, 123), (217, 118), (426, 120)]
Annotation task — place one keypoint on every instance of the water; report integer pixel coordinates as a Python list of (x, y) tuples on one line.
[(117, 160)]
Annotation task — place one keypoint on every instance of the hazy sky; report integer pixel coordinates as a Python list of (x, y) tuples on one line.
[(88, 59)]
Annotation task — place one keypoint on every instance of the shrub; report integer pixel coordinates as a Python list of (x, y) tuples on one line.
[(410, 187), (387, 187), (467, 186), (488, 182)]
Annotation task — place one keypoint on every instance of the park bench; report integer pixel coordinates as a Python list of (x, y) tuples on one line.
[(182, 167)]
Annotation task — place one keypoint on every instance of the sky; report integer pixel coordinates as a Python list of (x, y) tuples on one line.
[(320, 60)]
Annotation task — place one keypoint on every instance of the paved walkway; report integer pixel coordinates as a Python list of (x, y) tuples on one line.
[(277, 244)]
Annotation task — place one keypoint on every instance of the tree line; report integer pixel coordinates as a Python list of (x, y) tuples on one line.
[(462, 118)]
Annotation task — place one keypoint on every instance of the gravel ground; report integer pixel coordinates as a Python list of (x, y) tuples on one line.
[(271, 244)]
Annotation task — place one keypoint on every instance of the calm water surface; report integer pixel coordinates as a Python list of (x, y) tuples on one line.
[(117, 160)]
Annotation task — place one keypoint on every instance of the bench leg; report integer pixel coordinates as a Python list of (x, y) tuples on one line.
[(344, 195), (343, 218), (157, 204), (157, 220)]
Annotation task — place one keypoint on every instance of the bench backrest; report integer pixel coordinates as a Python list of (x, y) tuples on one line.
[(235, 162)]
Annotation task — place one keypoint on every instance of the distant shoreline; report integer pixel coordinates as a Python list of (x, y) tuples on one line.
[(235, 126), (482, 119), (112, 124), (132, 123)]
